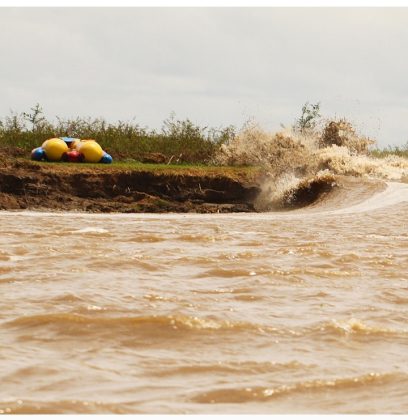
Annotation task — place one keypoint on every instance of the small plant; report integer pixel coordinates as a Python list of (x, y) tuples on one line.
[(309, 118), (36, 118)]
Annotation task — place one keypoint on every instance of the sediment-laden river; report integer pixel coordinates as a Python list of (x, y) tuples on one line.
[(293, 312)]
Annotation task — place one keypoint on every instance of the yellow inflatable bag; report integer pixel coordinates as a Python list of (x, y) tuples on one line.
[(91, 150), (54, 149)]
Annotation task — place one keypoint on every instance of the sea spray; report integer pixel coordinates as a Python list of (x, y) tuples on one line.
[(341, 161), (299, 167)]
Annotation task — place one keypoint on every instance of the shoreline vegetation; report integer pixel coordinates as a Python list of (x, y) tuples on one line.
[(180, 168), (178, 141)]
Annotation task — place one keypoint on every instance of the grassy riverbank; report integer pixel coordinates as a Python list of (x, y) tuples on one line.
[(177, 142), (182, 167), (126, 187), (238, 173)]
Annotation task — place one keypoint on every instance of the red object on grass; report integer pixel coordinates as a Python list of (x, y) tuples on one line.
[(74, 156)]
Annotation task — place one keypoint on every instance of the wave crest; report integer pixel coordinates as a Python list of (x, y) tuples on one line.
[(300, 167), (76, 324), (259, 394)]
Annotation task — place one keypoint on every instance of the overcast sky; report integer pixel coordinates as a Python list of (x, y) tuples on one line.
[(216, 66)]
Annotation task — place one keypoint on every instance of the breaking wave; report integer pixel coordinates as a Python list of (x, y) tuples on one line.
[(300, 168)]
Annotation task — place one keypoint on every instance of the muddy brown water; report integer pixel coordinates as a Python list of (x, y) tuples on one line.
[(297, 312)]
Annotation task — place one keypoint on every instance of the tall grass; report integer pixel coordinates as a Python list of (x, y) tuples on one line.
[(179, 141), (391, 151)]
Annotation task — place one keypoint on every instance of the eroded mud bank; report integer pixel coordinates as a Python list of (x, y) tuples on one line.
[(26, 185)]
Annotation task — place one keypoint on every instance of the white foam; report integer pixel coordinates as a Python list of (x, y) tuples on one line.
[(91, 230)]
